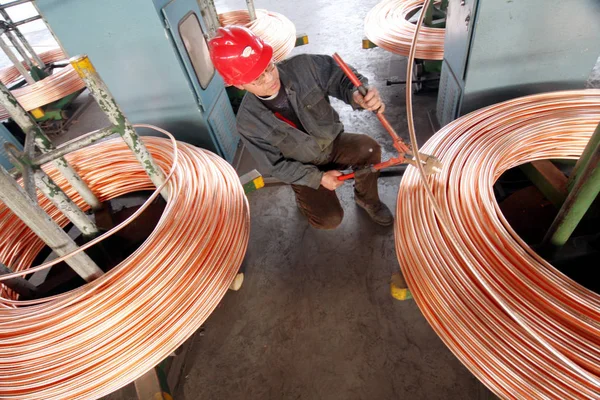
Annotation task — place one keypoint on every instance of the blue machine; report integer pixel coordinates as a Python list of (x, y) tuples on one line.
[(7, 137), (154, 58), (498, 50)]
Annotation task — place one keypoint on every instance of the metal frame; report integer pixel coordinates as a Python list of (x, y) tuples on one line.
[(24, 203), (30, 128), (19, 202), (121, 124), (21, 44)]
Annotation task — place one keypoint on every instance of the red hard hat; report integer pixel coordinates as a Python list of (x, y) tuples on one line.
[(239, 55)]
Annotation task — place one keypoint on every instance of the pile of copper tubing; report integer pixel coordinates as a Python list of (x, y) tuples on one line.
[(92, 340), (10, 74), (388, 27), (61, 83), (519, 325), (272, 27)]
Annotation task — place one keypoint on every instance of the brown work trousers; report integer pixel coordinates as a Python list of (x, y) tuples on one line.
[(322, 206)]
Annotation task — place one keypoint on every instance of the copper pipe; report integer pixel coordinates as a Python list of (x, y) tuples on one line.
[(388, 27), (272, 27), (97, 338)]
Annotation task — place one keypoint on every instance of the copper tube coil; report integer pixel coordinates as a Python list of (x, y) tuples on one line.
[(521, 326), (61, 83), (95, 339), (387, 26), (10, 74), (272, 27)]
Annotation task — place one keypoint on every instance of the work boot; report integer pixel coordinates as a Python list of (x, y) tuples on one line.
[(379, 213)]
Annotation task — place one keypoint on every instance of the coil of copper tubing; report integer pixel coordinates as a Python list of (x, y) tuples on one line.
[(10, 74), (61, 83), (272, 27), (388, 27), (518, 324), (97, 338)]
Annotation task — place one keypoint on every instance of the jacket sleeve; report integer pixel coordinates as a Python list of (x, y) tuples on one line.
[(333, 81), (270, 159)]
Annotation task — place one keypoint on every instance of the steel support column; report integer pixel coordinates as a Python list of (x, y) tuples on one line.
[(251, 9)]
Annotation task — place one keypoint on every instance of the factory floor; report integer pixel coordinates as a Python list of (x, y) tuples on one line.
[(314, 318)]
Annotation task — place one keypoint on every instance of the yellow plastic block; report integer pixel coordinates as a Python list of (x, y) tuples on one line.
[(37, 113), (259, 182), (398, 287)]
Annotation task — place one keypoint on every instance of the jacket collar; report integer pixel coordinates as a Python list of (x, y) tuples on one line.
[(285, 79)]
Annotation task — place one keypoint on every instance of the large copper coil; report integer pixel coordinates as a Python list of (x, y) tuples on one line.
[(93, 340), (272, 27), (10, 74), (61, 83), (388, 27), (521, 326)]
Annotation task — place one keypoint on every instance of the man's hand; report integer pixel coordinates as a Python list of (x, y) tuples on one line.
[(371, 101), (330, 180)]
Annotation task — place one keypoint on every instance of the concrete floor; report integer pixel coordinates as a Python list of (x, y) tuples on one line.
[(314, 319)]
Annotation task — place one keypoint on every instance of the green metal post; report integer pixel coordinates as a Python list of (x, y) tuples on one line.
[(429, 15), (585, 157), (108, 104), (29, 127), (585, 190), (51, 190), (444, 5)]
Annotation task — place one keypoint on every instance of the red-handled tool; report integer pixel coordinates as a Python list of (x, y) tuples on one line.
[(431, 164)]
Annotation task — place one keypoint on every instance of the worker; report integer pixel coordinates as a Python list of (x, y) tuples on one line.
[(288, 124)]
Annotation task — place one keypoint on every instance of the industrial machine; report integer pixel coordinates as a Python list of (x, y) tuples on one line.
[(153, 55), (496, 50)]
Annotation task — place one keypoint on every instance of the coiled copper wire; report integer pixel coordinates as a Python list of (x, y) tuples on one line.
[(272, 27), (95, 339), (61, 83), (10, 74), (387, 26), (522, 327)]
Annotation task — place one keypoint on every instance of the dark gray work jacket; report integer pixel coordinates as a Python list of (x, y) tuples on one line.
[(281, 150)]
